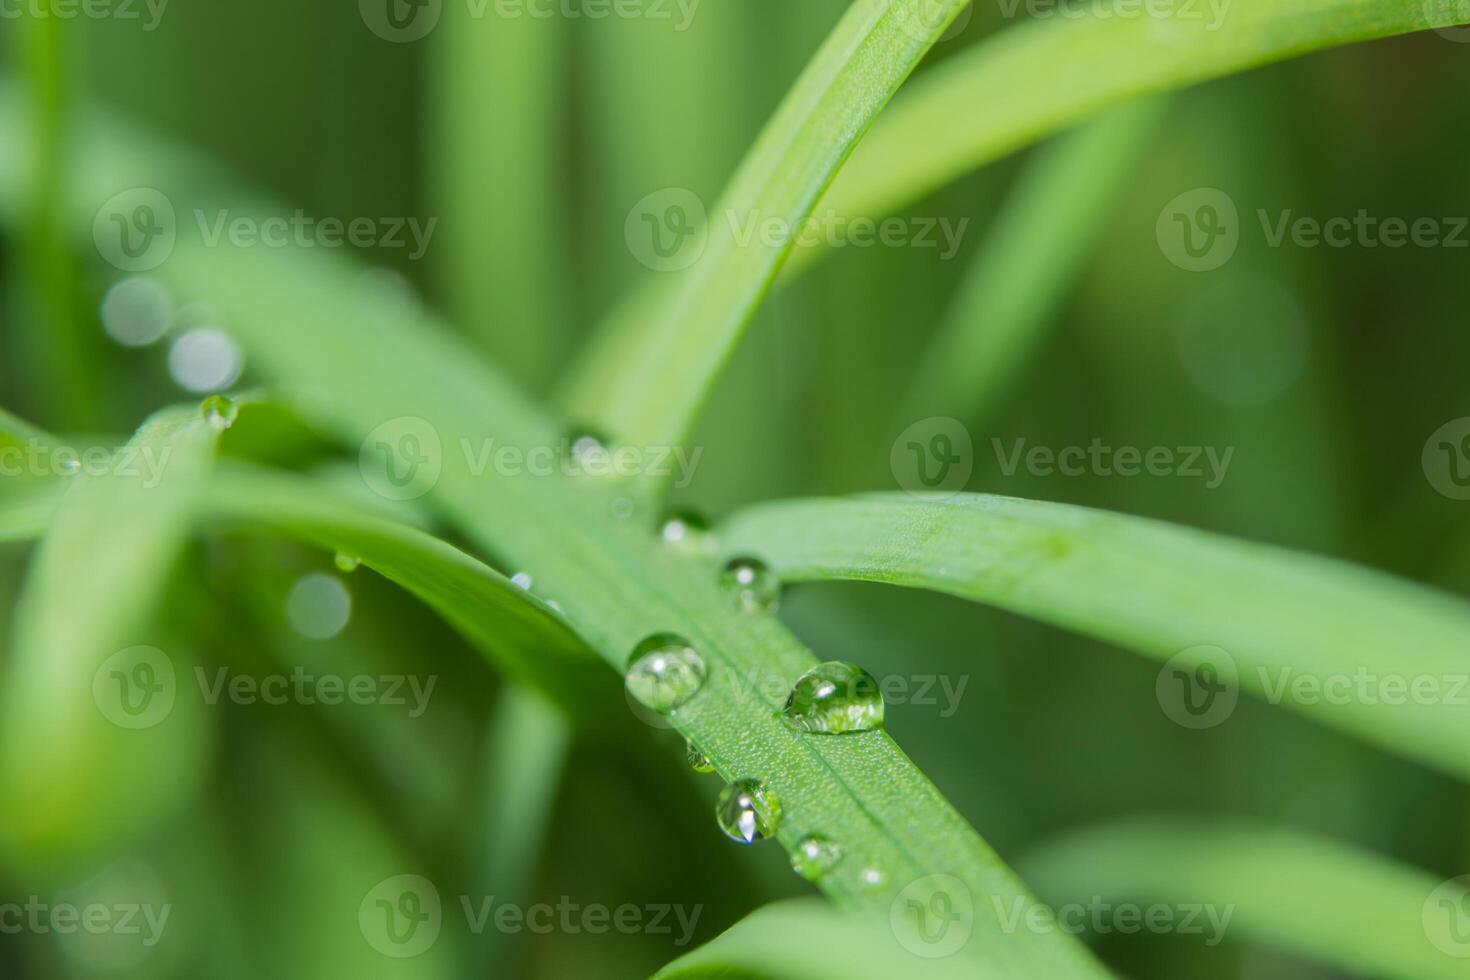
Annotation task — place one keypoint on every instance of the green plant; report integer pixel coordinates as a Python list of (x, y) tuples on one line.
[(347, 365)]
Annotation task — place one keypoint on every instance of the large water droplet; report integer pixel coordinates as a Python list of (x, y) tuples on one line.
[(590, 452), (345, 562), (834, 698), (754, 586), (664, 672), (220, 411), (747, 811), (815, 856), (698, 761)]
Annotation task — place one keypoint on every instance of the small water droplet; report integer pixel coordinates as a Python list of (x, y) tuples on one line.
[(552, 603), (747, 811), (664, 672), (815, 856), (873, 879), (623, 508), (345, 562), (220, 411), (698, 761), (70, 465), (834, 698), (685, 529), (754, 586), (521, 580), (590, 452)]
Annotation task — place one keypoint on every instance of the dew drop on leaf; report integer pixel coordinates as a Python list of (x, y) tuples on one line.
[(220, 411), (686, 530), (522, 580), (834, 698), (664, 672), (345, 562), (754, 587), (747, 811), (698, 761), (815, 856)]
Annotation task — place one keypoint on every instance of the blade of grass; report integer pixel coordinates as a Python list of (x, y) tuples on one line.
[(992, 99), (653, 399), (1019, 279), (526, 750), (1157, 589), (1325, 901), (69, 777), (800, 939), (497, 126)]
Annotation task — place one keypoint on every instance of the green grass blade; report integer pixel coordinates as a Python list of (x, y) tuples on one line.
[(1286, 620), (526, 751), (1324, 901), (805, 940), (1045, 75), (654, 398), (70, 777), (498, 85), (1020, 277)]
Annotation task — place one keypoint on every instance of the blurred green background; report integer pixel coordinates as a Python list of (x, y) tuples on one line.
[(529, 141)]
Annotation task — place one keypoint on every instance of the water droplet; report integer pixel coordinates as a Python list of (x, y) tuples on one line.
[(815, 856), (205, 360), (754, 586), (834, 698), (685, 529), (623, 508), (747, 811), (590, 452), (220, 411), (70, 465), (698, 761), (319, 606), (553, 604), (873, 879), (521, 580), (345, 562), (136, 312), (664, 672)]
